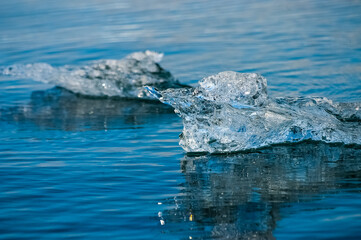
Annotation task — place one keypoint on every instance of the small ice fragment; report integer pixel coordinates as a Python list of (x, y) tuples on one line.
[(124, 78)]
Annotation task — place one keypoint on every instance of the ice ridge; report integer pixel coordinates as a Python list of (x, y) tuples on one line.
[(124, 78), (231, 111)]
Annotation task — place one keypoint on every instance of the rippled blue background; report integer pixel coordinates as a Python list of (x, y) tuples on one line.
[(79, 168)]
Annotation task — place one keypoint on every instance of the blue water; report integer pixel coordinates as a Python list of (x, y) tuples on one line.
[(83, 168)]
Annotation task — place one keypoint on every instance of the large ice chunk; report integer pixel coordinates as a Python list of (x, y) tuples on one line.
[(114, 78), (231, 111)]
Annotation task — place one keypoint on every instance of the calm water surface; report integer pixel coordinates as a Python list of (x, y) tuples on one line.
[(82, 168)]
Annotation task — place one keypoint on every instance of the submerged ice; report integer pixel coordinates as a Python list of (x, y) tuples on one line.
[(231, 111), (113, 78)]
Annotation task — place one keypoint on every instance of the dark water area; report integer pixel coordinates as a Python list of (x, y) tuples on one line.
[(74, 167)]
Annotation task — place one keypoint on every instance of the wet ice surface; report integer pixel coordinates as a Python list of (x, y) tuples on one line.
[(111, 78), (230, 112)]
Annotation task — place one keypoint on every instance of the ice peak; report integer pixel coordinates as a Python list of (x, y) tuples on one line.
[(235, 88)]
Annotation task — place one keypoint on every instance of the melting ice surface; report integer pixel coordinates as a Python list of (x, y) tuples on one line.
[(231, 111), (113, 78)]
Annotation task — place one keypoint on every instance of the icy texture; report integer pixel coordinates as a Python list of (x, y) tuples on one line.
[(113, 78), (231, 112)]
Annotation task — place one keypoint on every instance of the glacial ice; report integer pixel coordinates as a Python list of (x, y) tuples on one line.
[(230, 112), (124, 78)]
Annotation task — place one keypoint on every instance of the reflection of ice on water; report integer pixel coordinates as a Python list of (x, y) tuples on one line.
[(232, 111), (58, 108), (240, 196)]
